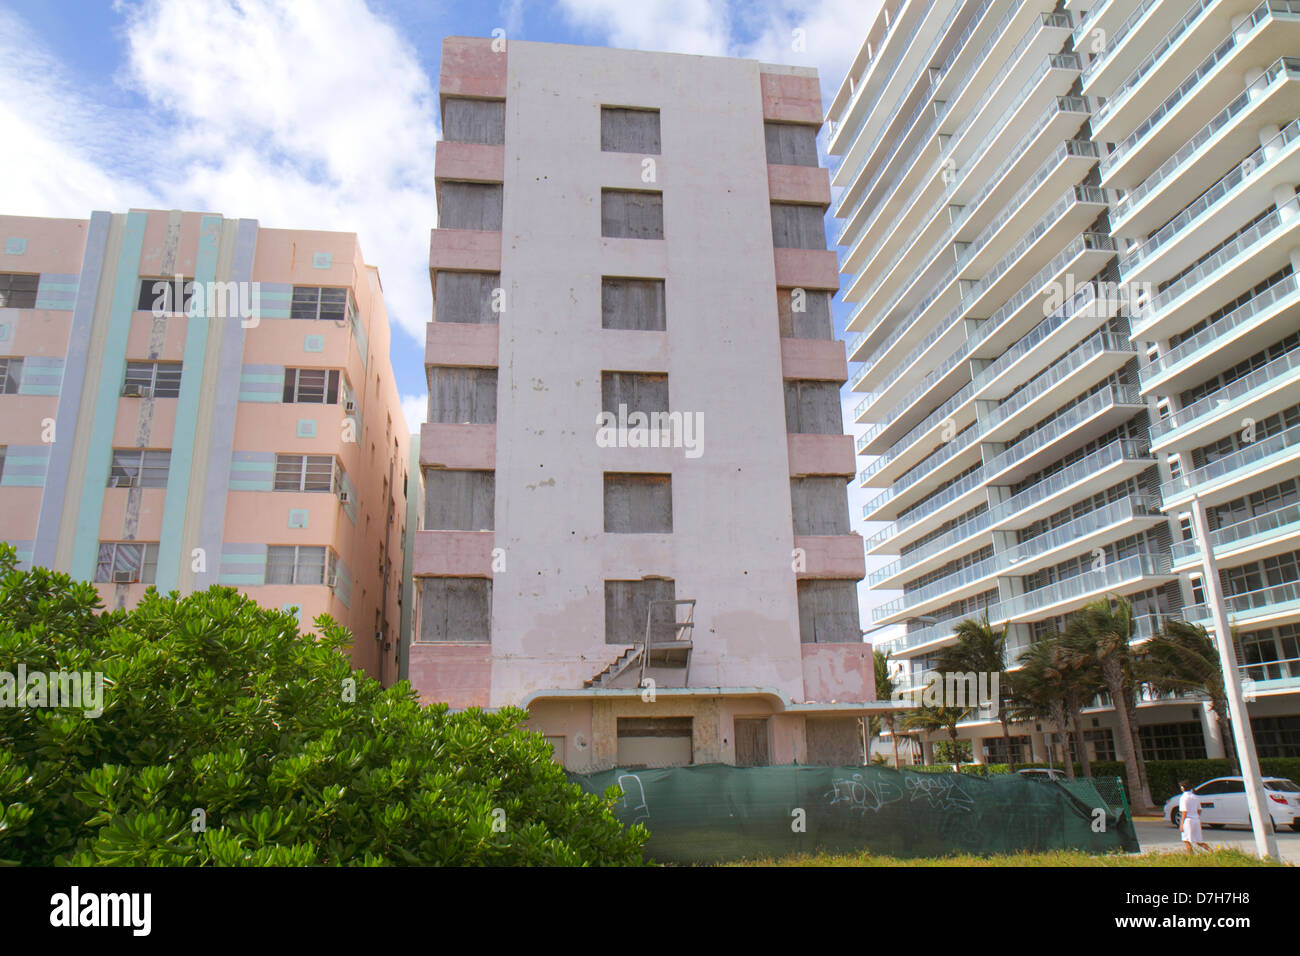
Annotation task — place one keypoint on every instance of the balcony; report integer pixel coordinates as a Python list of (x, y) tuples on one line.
[(1271, 33), (1193, 167), (1279, 604), (1265, 676), (1094, 472), (1274, 532), (1257, 323), (1136, 572), (1258, 465), (1257, 395), (1220, 211), (1244, 262)]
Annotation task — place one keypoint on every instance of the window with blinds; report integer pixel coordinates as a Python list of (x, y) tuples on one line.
[(159, 295), (306, 473), (152, 379), (319, 302), (127, 562), (301, 564), (313, 386), (11, 375), (18, 290), (139, 466)]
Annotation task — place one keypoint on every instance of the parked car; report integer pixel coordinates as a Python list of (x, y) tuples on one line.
[(1223, 803), (1042, 773)]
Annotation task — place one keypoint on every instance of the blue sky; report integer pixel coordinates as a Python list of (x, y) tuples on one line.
[(318, 114)]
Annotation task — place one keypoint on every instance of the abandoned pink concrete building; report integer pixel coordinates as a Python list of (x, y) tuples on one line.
[(635, 523)]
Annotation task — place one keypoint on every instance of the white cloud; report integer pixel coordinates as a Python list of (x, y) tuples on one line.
[(302, 116), (672, 26), (414, 409)]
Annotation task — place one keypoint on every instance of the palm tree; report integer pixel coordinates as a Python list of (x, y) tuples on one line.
[(981, 649), (1102, 631), (1080, 677), (1183, 657), (934, 719), (1052, 684), (885, 691)]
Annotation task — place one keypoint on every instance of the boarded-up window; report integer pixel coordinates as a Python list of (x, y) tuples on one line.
[(791, 144), (474, 121), (470, 206), (804, 314), (655, 742), (465, 297), (459, 500), (820, 506), (833, 741), (632, 214), (640, 391), (813, 408), (828, 612), (627, 604), (751, 742), (636, 304), (456, 609), (459, 396), (629, 131), (796, 226), (638, 503)]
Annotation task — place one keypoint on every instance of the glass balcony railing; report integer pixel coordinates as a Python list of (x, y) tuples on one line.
[(1260, 672), (1243, 459), (1276, 599), (1123, 449), (1282, 520), (1086, 19), (1161, 48), (1288, 285), (1263, 12), (1081, 585), (1061, 369), (1185, 220), (1281, 368), (1065, 535), (1285, 68), (935, 502), (1060, 426), (967, 575), (1283, 217), (928, 464)]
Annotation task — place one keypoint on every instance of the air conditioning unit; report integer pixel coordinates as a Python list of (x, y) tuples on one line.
[(344, 498), (332, 580), (349, 406), (379, 636), (131, 390), (125, 577), (122, 481)]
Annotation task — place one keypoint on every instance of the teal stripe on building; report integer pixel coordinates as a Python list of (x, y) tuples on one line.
[(187, 413), (85, 550)]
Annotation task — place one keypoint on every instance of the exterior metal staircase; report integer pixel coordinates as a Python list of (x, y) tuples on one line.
[(667, 644)]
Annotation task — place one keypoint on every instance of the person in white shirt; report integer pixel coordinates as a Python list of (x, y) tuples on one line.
[(1189, 810)]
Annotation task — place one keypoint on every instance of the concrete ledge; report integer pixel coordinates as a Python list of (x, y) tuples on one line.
[(817, 359), (458, 446), (459, 343), (469, 162), (457, 554), (470, 67), (459, 675), (821, 455), (807, 269), (468, 250), (791, 99), (832, 556), (805, 184)]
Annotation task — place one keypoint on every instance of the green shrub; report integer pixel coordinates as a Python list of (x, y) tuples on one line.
[(229, 738)]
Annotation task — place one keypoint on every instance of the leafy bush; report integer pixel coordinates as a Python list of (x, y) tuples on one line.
[(229, 738)]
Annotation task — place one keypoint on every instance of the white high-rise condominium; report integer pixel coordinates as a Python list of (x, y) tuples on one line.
[(1070, 236)]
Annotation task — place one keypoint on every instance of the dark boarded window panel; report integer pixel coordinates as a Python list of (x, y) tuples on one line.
[(465, 297), (751, 742), (459, 396), (640, 391), (828, 612), (791, 144), (635, 304), (797, 226), (813, 408), (631, 214), (629, 130), (474, 121), (456, 609), (804, 316), (638, 503), (627, 604), (470, 206), (456, 500), (18, 290), (820, 506)]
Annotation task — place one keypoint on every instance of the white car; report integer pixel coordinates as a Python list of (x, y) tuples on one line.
[(1223, 803), (1042, 773)]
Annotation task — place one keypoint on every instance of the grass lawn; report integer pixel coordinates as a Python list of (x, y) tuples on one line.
[(1056, 858)]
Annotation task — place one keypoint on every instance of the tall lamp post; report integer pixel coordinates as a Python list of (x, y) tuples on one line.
[(1260, 819)]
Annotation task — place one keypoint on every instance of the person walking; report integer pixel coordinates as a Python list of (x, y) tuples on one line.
[(1189, 811)]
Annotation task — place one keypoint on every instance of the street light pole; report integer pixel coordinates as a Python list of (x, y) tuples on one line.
[(1261, 820)]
